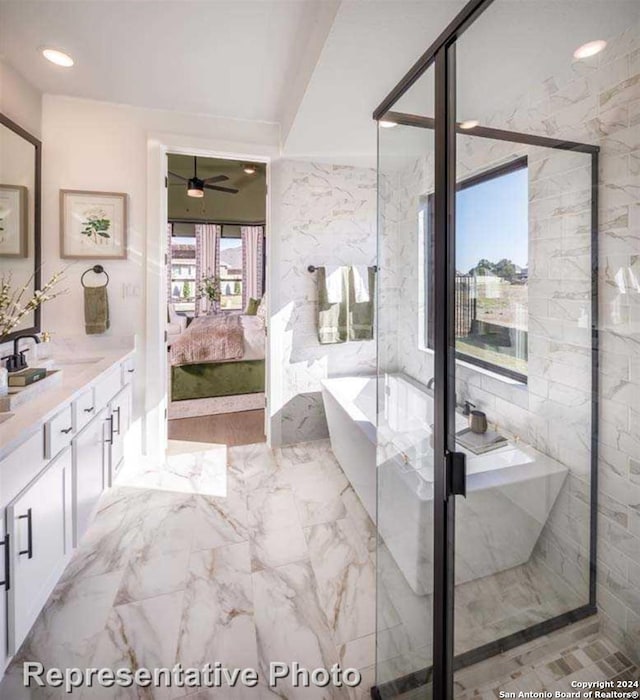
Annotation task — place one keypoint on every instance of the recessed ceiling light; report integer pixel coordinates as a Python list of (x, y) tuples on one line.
[(249, 169), (58, 57), (469, 124), (591, 48), (386, 124)]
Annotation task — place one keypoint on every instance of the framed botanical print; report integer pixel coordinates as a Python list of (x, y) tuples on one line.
[(13, 221), (93, 225)]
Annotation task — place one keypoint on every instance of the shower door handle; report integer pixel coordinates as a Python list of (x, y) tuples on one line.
[(457, 469)]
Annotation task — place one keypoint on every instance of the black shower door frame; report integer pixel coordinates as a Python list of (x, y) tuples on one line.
[(449, 471)]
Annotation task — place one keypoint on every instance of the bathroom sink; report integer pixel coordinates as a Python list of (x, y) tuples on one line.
[(4, 417), (19, 395)]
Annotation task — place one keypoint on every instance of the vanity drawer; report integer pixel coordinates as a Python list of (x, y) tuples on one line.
[(84, 408), (58, 432), (21, 466), (107, 387), (128, 370)]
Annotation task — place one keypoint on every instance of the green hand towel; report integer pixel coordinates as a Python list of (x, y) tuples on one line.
[(96, 310), (361, 315), (332, 317)]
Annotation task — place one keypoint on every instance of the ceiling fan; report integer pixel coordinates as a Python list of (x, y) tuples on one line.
[(196, 186)]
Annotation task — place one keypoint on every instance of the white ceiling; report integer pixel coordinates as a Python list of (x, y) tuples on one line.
[(229, 58), (318, 67), (511, 49)]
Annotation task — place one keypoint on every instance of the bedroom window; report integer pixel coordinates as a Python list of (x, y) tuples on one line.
[(183, 273), (230, 273), (491, 283)]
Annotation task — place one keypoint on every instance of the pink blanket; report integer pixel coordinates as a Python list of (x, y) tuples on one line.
[(217, 338)]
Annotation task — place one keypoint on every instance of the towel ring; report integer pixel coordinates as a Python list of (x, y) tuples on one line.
[(98, 270)]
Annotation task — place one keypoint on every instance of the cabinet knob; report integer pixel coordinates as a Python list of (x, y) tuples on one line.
[(91, 409), (66, 431)]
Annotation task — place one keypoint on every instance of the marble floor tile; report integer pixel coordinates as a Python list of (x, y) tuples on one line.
[(219, 521), (358, 653), (252, 466), (360, 518), (277, 547), (67, 630), (250, 556), (346, 578), (318, 489), (149, 576), (303, 452), (166, 527), (217, 622), (292, 626), (272, 509), (143, 634)]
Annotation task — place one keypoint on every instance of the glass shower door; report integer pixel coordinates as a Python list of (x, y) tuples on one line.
[(405, 513), (525, 343)]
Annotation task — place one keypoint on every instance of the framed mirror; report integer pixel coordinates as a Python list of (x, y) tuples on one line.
[(20, 255)]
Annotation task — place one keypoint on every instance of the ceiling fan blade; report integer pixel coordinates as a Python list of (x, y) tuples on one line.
[(184, 179), (229, 190), (215, 178)]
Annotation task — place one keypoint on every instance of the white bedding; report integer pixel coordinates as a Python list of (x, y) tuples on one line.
[(254, 337)]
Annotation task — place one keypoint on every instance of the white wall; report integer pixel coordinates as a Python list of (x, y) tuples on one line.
[(321, 215), (92, 145), (19, 100)]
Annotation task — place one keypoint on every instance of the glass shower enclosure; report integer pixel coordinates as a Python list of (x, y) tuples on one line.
[(487, 359)]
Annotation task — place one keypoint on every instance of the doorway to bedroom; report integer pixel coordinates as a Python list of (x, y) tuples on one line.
[(215, 295)]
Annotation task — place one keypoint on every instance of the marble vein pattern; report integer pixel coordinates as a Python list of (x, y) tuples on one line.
[(324, 214), (233, 562)]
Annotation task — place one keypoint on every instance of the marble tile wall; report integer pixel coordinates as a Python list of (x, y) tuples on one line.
[(596, 101), (322, 215)]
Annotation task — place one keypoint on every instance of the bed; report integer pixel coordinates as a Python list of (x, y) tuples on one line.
[(218, 355)]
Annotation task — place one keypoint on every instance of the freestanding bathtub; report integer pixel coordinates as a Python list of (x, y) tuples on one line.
[(510, 491)]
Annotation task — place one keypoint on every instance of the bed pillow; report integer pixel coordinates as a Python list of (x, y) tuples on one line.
[(252, 307)]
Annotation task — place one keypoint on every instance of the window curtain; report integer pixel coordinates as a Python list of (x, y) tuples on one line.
[(168, 259), (252, 262), (207, 248)]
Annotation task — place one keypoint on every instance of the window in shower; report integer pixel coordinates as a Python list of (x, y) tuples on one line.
[(491, 283)]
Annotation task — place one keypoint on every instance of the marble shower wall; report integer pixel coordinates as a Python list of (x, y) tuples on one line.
[(322, 215), (598, 102)]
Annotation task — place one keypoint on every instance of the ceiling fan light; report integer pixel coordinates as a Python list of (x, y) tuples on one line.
[(195, 187)]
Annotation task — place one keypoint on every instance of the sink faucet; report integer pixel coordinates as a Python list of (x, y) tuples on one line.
[(17, 361)]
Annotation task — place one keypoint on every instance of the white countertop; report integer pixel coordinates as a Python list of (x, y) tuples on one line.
[(78, 371)]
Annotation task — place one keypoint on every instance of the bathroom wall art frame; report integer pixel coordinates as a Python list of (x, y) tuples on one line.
[(441, 56)]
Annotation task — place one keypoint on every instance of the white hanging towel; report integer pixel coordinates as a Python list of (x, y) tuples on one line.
[(361, 283), (333, 276)]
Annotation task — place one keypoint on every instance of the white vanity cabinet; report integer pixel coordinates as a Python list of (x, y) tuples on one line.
[(90, 463), (50, 484), (38, 521), (120, 408)]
